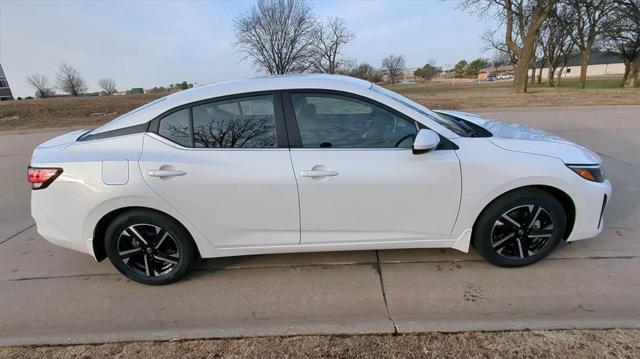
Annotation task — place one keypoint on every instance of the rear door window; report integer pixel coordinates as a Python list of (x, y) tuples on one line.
[(239, 123)]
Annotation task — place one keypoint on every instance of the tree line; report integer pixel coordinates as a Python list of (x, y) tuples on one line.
[(548, 32), (69, 81)]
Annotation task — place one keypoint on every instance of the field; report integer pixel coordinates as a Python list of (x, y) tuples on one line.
[(67, 111), (442, 95), (92, 111), (523, 344)]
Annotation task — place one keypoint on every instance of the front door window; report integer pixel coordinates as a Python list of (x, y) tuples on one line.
[(334, 121)]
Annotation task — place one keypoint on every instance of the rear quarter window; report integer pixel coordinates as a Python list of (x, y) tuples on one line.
[(177, 127)]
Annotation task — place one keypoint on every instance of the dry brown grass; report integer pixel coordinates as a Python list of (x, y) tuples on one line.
[(76, 112), (494, 95), (563, 344), (67, 111)]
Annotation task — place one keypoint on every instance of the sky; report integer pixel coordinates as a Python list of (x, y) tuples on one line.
[(156, 43)]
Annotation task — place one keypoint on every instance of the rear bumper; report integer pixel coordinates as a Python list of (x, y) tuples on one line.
[(50, 231), (590, 200)]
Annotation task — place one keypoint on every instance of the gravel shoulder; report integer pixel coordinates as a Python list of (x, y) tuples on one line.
[(516, 344)]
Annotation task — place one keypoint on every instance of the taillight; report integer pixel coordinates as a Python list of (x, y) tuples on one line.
[(42, 177)]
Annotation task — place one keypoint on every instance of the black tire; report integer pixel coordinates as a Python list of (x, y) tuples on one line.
[(163, 255), (513, 232)]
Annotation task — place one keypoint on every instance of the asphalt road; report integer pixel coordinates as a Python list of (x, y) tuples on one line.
[(52, 295)]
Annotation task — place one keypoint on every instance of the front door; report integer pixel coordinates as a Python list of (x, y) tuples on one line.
[(358, 178), (223, 165)]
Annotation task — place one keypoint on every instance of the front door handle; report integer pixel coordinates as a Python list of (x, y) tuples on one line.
[(317, 173), (166, 173)]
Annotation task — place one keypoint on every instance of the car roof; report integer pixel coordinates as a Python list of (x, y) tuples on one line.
[(153, 109)]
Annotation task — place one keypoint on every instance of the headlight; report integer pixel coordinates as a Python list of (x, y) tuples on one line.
[(589, 172)]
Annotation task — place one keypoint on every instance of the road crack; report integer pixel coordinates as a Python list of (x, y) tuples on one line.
[(378, 269), (17, 234)]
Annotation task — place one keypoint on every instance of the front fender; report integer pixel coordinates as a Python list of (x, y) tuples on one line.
[(483, 181)]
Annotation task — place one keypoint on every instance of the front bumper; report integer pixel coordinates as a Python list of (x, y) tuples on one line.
[(590, 200)]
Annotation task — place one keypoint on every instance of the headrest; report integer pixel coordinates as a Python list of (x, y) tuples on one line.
[(307, 110)]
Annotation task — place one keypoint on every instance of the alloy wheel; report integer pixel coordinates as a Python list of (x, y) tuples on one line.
[(148, 250), (522, 231)]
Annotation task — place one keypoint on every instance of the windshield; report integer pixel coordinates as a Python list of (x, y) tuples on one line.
[(444, 121)]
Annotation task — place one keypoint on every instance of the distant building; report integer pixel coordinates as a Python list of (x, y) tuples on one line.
[(495, 70), (600, 64), (405, 76), (5, 90)]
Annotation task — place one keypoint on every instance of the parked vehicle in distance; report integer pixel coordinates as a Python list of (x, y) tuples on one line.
[(504, 76), (308, 163), (491, 78)]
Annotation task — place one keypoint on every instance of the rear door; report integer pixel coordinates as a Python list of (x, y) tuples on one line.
[(358, 178), (225, 166)]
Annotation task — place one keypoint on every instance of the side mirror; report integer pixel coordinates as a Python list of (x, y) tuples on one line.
[(426, 140)]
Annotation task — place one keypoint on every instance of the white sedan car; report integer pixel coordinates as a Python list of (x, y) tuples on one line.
[(308, 163)]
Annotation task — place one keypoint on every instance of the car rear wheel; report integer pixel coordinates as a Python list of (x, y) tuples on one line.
[(519, 228), (149, 248)]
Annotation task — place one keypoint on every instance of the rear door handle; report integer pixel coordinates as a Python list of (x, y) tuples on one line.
[(316, 173), (166, 173)]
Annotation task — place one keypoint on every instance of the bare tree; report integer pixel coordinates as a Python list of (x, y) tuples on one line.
[(623, 37), (393, 66), (329, 38), (535, 60), (277, 35), (108, 86), (40, 83), (70, 81), (541, 55), (587, 17), (494, 42), (500, 59), (522, 22), (556, 44), (565, 53), (233, 132)]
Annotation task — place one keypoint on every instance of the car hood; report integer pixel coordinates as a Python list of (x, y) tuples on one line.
[(521, 138)]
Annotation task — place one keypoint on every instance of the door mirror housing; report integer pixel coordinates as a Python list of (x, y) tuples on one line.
[(426, 140)]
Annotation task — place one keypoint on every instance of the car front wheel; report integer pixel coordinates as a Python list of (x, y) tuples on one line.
[(519, 228), (149, 248)]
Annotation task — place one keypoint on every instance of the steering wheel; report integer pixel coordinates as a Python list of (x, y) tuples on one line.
[(403, 139)]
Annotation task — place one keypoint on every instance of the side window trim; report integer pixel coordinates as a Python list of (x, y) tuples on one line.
[(282, 140), (193, 137), (278, 108), (293, 132)]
